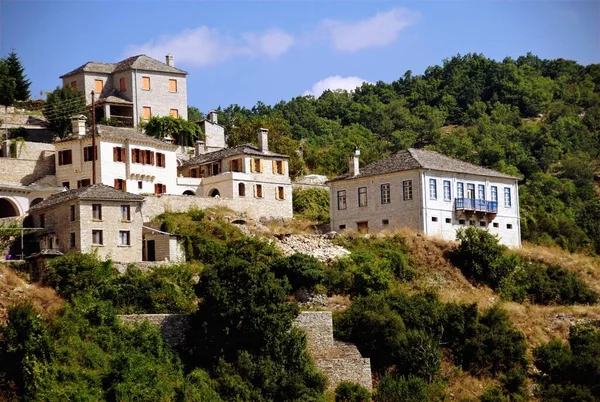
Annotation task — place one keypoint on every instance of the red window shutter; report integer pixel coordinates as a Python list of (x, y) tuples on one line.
[(123, 155), (155, 188), (151, 158), (115, 151), (116, 183), (164, 160), (164, 188), (133, 155), (124, 185)]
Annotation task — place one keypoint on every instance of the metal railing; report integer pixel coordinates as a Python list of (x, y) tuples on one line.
[(472, 204)]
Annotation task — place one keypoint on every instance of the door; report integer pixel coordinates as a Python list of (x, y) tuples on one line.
[(471, 191), (363, 227), (151, 250)]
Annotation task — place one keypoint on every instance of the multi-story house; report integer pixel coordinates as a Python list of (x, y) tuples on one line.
[(132, 90), (125, 159), (427, 192), (244, 172)]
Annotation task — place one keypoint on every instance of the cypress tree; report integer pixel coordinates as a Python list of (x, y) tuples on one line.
[(17, 71), (7, 85)]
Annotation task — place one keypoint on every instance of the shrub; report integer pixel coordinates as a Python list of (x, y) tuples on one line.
[(301, 270), (312, 204), (359, 274), (76, 273), (479, 255), (351, 392), (407, 389)]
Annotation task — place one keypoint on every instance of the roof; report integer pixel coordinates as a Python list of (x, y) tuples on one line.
[(246, 149), (422, 159), (115, 96), (94, 192), (139, 62), (121, 134)]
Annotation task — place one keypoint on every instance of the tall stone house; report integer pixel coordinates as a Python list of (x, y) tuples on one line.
[(427, 192), (125, 159), (133, 89)]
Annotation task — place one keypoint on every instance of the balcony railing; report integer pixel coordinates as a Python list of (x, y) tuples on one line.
[(472, 204)]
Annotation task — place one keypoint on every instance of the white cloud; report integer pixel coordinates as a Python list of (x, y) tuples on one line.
[(203, 46), (335, 82), (379, 30)]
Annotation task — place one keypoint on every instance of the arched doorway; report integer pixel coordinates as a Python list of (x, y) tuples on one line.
[(8, 208), (188, 192), (214, 193), (242, 190)]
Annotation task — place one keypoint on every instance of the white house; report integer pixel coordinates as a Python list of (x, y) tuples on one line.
[(125, 159), (427, 192)]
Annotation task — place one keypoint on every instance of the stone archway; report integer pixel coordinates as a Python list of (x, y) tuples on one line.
[(188, 192), (8, 208), (214, 193), (35, 201)]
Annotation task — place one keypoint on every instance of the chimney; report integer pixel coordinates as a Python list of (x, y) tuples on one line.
[(353, 165), (212, 116), (170, 61), (78, 125), (263, 139), (198, 148), (167, 139)]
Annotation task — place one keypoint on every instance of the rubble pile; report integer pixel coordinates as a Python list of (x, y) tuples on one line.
[(318, 246)]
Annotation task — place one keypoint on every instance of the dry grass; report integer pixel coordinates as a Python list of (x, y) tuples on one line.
[(290, 226), (14, 289), (462, 386)]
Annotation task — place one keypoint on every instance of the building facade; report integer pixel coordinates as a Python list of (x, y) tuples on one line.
[(133, 89), (426, 192)]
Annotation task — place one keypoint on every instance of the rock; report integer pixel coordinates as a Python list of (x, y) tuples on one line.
[(317, 246)]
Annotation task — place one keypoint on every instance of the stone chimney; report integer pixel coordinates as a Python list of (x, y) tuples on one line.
[(353, 165), (167, 139), (78, 125), (263, 139), (199, 148), (169, 60), (213, 117)]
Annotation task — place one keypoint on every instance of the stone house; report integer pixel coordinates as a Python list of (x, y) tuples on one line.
[(427, 192), (125, 159), (133, 89), (96, 218)]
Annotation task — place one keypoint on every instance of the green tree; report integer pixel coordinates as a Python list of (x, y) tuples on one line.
[(351, 392), (7, 85), (194, 114), (62, 104), (17, 71)]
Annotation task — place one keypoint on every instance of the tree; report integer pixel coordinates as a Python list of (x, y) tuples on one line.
[(7, 85), (194, 114), (62, 104), (17, 71)]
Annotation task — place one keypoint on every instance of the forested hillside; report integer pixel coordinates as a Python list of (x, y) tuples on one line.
[(537, 119)]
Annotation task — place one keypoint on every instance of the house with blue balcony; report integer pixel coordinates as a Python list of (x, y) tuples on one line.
[(427, 192)]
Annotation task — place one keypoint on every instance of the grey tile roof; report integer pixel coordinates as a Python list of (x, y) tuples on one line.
[(423, 159), (99, 192), (121, 134), (115, 96), (214, 156), (139, 62)]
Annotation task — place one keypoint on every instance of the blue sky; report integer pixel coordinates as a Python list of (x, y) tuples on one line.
[(243, 52)]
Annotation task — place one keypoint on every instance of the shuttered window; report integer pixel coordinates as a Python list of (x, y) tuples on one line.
[(120, 184), (258, 190), (98, 86), (256, 165), (119, 154), (280, 193), (65, 157), (87, 153), (172, 85), (73, 84), (122, 86), (146, 112), (146, 83), (160, 159), (160, 188), (174, 113)]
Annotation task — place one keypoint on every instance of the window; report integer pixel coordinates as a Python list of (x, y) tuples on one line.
[(149, 157), (140, 185), (124, 238), (146, 83), (280, 193), (434, 219), (460, 190), (509, 225), (494, 194), (50, 242), (341, 199), (193, 172), (256, 165), (120, 184), (472, 223), (278, 167), (448, 220), (98, 86), (258, 190), (119, 154), (235, 165), (481, 191), (135, 155), (507, 200), (160, 188), (482, 224), (125, 212), (160, 159), (72, 213), (65, 157), (172, 85), (73, 84), (42, 221), (362, 196), (495, 224), (142, 156), (72, 240), (242, 190), (470, 191), (122, 86), (385, 193), (461, 221), (146, 112), (88, 155), (407, 190), (385, 222), (83, 183), (342, 227), (66, 184), (447, 193), (433, 189), (216, 168), (97, 237), (97, 212), (174, 113)]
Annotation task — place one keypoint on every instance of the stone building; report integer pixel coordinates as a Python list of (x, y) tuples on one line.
[(133, 89), (427, 192), (125, 159), (96, 218)]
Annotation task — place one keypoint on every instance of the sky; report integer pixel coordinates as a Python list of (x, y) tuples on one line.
[(248, 51)]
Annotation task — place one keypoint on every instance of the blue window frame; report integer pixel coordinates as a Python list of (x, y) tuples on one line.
[(460, 190), (433, 189), (447, 192), (494, 193), (385, 193), (481, 191), (407, 193), (507, 198)]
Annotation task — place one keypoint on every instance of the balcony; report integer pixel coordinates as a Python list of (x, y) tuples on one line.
[(475, 205)]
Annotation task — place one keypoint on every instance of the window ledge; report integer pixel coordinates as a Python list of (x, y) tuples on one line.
[(97, 245), (97, 220), (123, 245), (126, 221)]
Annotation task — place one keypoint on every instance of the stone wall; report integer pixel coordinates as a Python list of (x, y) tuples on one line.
[(319, 329), (19, 171), (174, 327)]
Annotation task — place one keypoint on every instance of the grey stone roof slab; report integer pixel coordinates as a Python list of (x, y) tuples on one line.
[(139, 62), (121, 134), (215, 156), (100, 192)]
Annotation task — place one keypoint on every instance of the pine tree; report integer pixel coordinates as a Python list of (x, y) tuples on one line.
[(7, 85), (17, 71)]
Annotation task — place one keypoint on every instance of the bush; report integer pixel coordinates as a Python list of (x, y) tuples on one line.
[(301, 270), (479, 255), (312, 204), (351, 392), (407, 389)]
